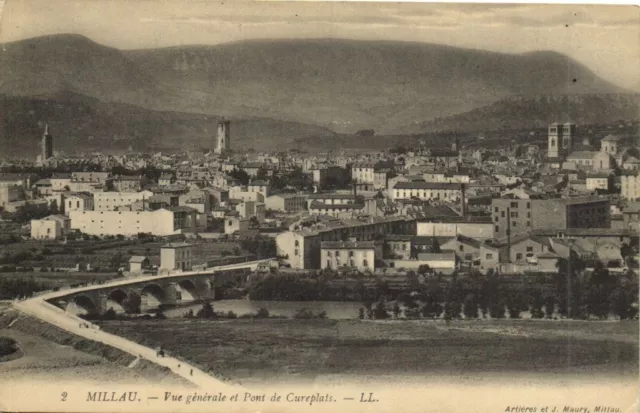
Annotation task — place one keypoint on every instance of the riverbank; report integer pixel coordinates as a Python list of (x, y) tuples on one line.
[(279, 351)]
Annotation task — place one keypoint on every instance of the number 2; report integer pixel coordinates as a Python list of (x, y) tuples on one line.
[(64, 396)]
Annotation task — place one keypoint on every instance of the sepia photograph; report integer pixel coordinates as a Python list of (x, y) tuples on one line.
[(299, 206)]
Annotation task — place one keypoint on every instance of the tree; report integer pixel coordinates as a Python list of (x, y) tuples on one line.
[(361, 313), (131, 304), (470, 306), (435, 245), (452, 309), (380, 311), (549, 306), (262, 313), (496, 309), (515, 305), (424, 269), (396, 310), (206, 311), (536, 306)]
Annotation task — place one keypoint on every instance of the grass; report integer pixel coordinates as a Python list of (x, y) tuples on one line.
[(53, 354), (276, 349)]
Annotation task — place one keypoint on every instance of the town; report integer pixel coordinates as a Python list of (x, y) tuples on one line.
[(390, 219)]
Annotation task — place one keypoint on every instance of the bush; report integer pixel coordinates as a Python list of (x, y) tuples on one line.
[(303, 313), (231, 315), (262, 313)]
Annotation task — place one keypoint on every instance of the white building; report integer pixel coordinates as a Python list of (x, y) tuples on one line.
[(352, 254), (363, 174), (110, 201), (598, 181), (233, 225), (449, 192), (176, 256), (162, 222), (288, 203), (51, 227), (78, 202), (630, 185)]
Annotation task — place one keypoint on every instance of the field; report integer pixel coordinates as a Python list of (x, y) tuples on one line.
[(48, 353), (254, 351)]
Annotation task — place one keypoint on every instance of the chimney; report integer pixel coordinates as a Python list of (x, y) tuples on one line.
[(508, 234), (463, 190)]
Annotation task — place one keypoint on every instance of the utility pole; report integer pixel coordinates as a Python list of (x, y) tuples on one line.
[(508, 234)]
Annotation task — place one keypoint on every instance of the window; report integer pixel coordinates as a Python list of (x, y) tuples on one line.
[(296, 244), (528, 214), (328, 253), (528, 204), (514, 224), (328, 263), (502, 214), (528, 223), (352, 263), (497, 228), (514, 215), (404, 247), (497, 218), (529, 249), (338, 254), (489, 256), (365, 263), (295, 252), (461, 247), (519, 256), (351, 253), (497, 209), (514, 205)]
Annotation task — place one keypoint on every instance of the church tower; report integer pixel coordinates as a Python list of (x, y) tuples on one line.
[(223, 139), (560, 139), (47, 144)]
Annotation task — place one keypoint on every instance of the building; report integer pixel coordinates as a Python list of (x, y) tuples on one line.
[(249, 209), (363, 174), (513, 214), (300, 246), (47, 144), (591, 160), (601, 181), (161, 222), (335, 210), (454, 226), (125, 183), (9, 194), (233, 225), (449, 192), (523, 215), (351, 254), (223, 138), (287, 203), (78, 202), (138, 263), (630, 185), (111, 201), (560, 139), (610, 145), (176, 256), (51, 227), (259, 186)]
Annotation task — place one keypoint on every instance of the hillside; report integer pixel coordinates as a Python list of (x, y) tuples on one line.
[(535, 112), (80, 123), (344, 85)]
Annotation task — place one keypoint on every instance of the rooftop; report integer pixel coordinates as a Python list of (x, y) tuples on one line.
[(347, 245)]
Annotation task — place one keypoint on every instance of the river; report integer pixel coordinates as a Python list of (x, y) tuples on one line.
[(337, 310)]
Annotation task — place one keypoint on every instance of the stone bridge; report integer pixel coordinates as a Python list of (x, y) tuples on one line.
[(154, 291)]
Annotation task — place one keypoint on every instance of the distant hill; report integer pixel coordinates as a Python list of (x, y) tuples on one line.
[(80, 123), (535, 112), (344, 85)]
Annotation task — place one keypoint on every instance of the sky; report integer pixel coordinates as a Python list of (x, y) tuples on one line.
[(605, 38)]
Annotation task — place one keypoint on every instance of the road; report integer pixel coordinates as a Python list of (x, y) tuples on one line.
[(40, 308)]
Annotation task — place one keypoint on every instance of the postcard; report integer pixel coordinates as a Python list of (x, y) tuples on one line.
[(318, 207)]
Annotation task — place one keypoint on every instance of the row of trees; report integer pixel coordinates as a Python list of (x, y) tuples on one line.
[(11, 288)]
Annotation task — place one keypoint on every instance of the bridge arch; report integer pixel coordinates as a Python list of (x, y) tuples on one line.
[(153, 295), (119, 298), (82, 304), (188, 290)]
